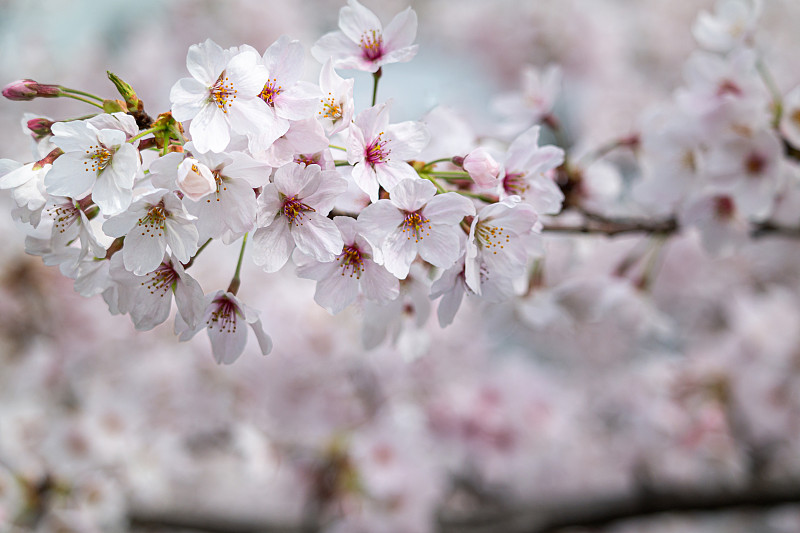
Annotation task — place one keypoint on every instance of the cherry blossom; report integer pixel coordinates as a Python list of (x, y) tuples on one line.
[(223, 95), (292, 212), (354, 271), (363, 44), (379, 151), (98, 159), (526, 172), (415, 220), (336, 107), (732, 24)]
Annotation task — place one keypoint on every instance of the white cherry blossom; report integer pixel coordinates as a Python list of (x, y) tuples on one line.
[(527, 169), (415, 220), (363, 44), (292, 212)]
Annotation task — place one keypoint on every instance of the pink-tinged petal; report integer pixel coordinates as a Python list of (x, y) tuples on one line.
[(408, 139), (402, 55), (449, 305), (298, 102), (181, 239), (373, 121), (243, 167), (284, 61), (366, 179), (228, 343), (399, 251), (441, 246), (254, 118), (545, 158), (401, 31), (337, 291), (337, 47), (355, 20), (318, 236), (448, 208), (378, 283), (125, 166), (331, 186), (109, 197), (69, 176), (14, 174), (206, 61), (392, 173), (356, 145), (521, 148), (121, 224), (411, 194), (210, 130), (376, 221), (348, 227), (272, 245), (316, 270), (143, 251), (73, 136), (188, 298), (264, 340), (188, 96), (292, 179), (270, 204)]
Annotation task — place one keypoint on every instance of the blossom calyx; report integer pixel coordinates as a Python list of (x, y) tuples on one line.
[(26, 89), (128, 94)]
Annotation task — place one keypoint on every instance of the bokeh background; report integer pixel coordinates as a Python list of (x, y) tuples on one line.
[(588, 386)]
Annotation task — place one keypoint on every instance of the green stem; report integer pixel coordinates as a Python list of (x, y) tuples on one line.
[(442, 160), (461, 175), (190, 262), (337, 147), (341, 163), (477, 196), (233, 288), (82, 93), (376, 76), (143, 133), (76, 97), (430, 178)]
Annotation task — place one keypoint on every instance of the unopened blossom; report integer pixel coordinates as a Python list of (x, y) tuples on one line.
[(732, 24), (292, 212), (482, 168), (223, 95), (148, 298), (499, 242), (150, 225), (194, 179), (379, 151), (416, 221), (226, 319), (40, 130), (353, 272), (528, 172), (27, 89), (749, 168), (97, 158), (363, 44)]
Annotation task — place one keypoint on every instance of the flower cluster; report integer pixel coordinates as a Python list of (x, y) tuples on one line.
[(124, 203)]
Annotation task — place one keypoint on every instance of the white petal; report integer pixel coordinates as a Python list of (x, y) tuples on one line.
[(272, 245)]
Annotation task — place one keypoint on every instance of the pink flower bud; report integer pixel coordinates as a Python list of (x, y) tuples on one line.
[(28, 90), (40, 127), (195, 180), (482, 168)]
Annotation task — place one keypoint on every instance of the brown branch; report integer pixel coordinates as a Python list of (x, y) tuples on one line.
[(604, 510)]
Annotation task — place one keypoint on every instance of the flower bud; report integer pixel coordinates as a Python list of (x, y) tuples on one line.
[(21, 90), (482, 167), (195, 180), (40, 127), (127, 92)]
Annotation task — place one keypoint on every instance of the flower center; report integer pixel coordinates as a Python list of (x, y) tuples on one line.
[(154, 220), (352, 260), (220, 184), (295, 210), (414, 224), (723, 207), (99, 159), (371, 45), (64, 215), (306, 159), (270, 91), (224, 316), (515, 183), (161, 280), (377, 152), (728, 87), (222, 93), (331, 108), (491, 238), (755, 164)]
